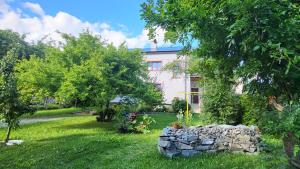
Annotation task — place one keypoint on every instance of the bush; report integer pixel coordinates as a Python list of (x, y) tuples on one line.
[(127, 122), (160, 108), (131, 123), (179, 105), (108, 114), (49, 106), (222, 104), (253, 106), (144, 124), (282, 123), (144, 108)]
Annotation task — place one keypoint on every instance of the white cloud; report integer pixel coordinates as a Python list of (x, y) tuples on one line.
[(35, 8), (3, 6), (46, 26)]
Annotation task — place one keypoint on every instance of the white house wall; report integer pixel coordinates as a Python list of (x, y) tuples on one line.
[(171, 87)]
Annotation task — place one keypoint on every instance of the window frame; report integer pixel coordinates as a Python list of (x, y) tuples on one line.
[(151, 66), (195, 99)]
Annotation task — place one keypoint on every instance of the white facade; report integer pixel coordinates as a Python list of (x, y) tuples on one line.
[(171, 83)]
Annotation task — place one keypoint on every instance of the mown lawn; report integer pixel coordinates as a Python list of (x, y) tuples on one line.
[(81, 142)]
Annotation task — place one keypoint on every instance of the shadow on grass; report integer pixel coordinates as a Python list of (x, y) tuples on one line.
[(61, 152), (92, 124), (70, 147)]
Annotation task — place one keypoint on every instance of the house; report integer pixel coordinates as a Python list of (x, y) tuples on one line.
[(172, 83)]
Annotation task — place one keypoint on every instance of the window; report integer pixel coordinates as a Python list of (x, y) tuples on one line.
[(155, 65), (176, 70), (195, 97)]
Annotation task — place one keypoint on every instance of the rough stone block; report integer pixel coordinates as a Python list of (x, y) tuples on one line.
[(163, 143), (202, 148), (184, 146), (207, 141), (188, 153), (164, 138)]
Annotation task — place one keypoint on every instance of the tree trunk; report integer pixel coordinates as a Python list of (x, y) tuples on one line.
[(75, 103), (106, 111), (288, 143), (45, 103), (8, 134)]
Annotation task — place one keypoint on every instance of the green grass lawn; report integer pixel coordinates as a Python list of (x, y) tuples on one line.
[(81, 142), (54, 113)]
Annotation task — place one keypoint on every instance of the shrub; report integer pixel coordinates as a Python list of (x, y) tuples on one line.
[(144, 124), (282, 123), (179, 105), (49, 106), (253, 106), (222, 104), (108, 114), (144, 108), (127, 122), (160, 108), (130, 123)]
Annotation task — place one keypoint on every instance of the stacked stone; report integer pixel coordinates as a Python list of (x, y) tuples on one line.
[(212, 138)]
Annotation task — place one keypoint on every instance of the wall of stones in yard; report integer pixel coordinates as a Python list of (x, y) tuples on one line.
[(213, 138)]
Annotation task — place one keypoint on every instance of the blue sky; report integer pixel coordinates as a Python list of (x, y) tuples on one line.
[(115, 20), (117, 13)]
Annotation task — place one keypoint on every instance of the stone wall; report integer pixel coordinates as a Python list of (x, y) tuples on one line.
[(212, 138)]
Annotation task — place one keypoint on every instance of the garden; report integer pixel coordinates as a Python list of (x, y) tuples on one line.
[(78, 141), (84, 103)]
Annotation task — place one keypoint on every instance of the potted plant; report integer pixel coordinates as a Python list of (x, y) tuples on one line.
[(176, 125)]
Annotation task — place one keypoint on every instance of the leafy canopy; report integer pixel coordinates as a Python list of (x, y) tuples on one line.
[(255, 40), (88, 72)]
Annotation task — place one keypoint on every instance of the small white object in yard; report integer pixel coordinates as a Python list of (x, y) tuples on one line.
[(14, 142)]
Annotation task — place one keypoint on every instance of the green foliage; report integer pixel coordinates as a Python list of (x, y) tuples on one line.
[(221, 103), (253, 106), (144, 124), (127, 122), (39, 78), (86, 72), (176, 67), (130, 122), (255, 41), (296, 150), (144, 108), (79, 139), (180, 118), (160, 108), (12, 103), (285, 122), (179, 105), (49, 106), (108, 113), (12, 40)]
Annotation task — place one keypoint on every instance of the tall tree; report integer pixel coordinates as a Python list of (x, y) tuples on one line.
[(255, 40), (40, 78), (12, 40), (86, 72), (12, 104)]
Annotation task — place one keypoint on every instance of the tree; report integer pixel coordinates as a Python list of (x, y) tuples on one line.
[(12, 104), (10, 40), (40, 78), (86, 72), (121, 72), (256, 41)]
